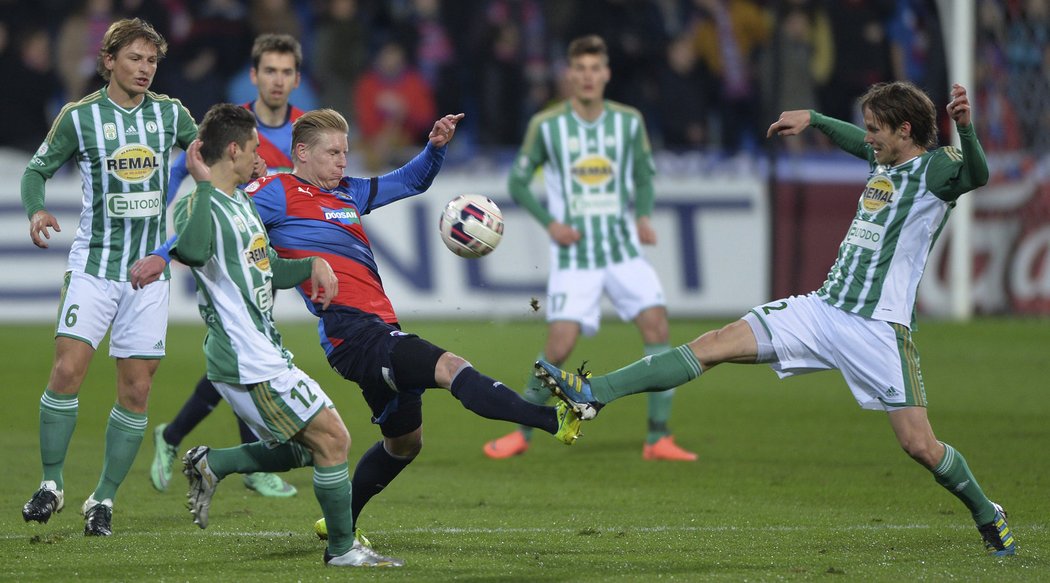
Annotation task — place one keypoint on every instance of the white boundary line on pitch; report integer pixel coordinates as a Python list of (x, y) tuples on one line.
[(583, 530)]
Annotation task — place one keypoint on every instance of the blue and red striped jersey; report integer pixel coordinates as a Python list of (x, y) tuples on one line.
[(304, 220), (275, 143)]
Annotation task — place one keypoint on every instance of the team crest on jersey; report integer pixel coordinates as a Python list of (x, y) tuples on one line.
[(256, 255), (877, 194), (133, 163), (109, 130), (593, 171), (251, 187), (240, 225), (151, 127), (573, 144), (345, 216)]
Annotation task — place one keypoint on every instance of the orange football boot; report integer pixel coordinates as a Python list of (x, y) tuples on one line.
[(664, 449), (509, 445)]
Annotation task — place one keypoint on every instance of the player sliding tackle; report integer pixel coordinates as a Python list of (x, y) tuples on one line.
[(860, 320), (318, 211)]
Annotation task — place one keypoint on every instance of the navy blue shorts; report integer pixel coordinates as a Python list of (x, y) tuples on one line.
[(392, 367)]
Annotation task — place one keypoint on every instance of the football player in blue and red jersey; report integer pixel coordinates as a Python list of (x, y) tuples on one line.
[(317, 211), (276, 63)]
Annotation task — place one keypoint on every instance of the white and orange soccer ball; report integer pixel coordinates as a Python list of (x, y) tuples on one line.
[(471, 225)]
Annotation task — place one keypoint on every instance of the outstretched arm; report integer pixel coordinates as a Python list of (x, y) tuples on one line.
[(845, 135), (790, 123)]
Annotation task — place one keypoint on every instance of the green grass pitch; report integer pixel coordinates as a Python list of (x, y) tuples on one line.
[(794, 481)]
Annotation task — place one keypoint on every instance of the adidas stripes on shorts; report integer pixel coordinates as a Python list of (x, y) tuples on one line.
[(877, 358), (90, 305)]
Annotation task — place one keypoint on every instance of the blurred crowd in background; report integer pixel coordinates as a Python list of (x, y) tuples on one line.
[(709, 75)]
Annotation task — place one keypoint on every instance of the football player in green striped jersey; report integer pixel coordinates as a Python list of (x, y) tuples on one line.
[(860, 321), (121, 138), (223, 240), (598, 169)]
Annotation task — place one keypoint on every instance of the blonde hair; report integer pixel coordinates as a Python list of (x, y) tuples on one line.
[(308, 128), (121, 34)]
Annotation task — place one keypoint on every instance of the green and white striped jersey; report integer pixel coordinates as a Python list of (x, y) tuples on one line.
[(594, 172), (123, 156), (234, 291), (900, 214)]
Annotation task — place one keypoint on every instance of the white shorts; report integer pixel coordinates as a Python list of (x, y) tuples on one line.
[(90, 305), (878, 359), (575, 294), (279, 408)]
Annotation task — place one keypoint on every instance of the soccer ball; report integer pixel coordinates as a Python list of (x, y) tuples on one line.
[(471, 225)]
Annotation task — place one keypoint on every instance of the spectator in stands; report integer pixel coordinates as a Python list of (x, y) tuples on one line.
[(512, 78), (427, 34), (728, 34), (276, 16), (79, 39), (213, 52), (395, 108), (1028, 56), (27, 66), (340, 54), (862, 54), (683, 101), (998, 124), (917, 51), (797, 62)]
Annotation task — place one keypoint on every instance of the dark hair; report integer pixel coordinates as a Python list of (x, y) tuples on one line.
[(121, 34), (892, 104), (591, 44), (276, 43), (224, 123)]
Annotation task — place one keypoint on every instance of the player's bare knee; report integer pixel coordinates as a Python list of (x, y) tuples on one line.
[(133, 392), (708, 347), (652, 323), (327, 438), (922, 450), (66, 376), (332, 447), (134, 401), (447, 367), (339, 438)]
